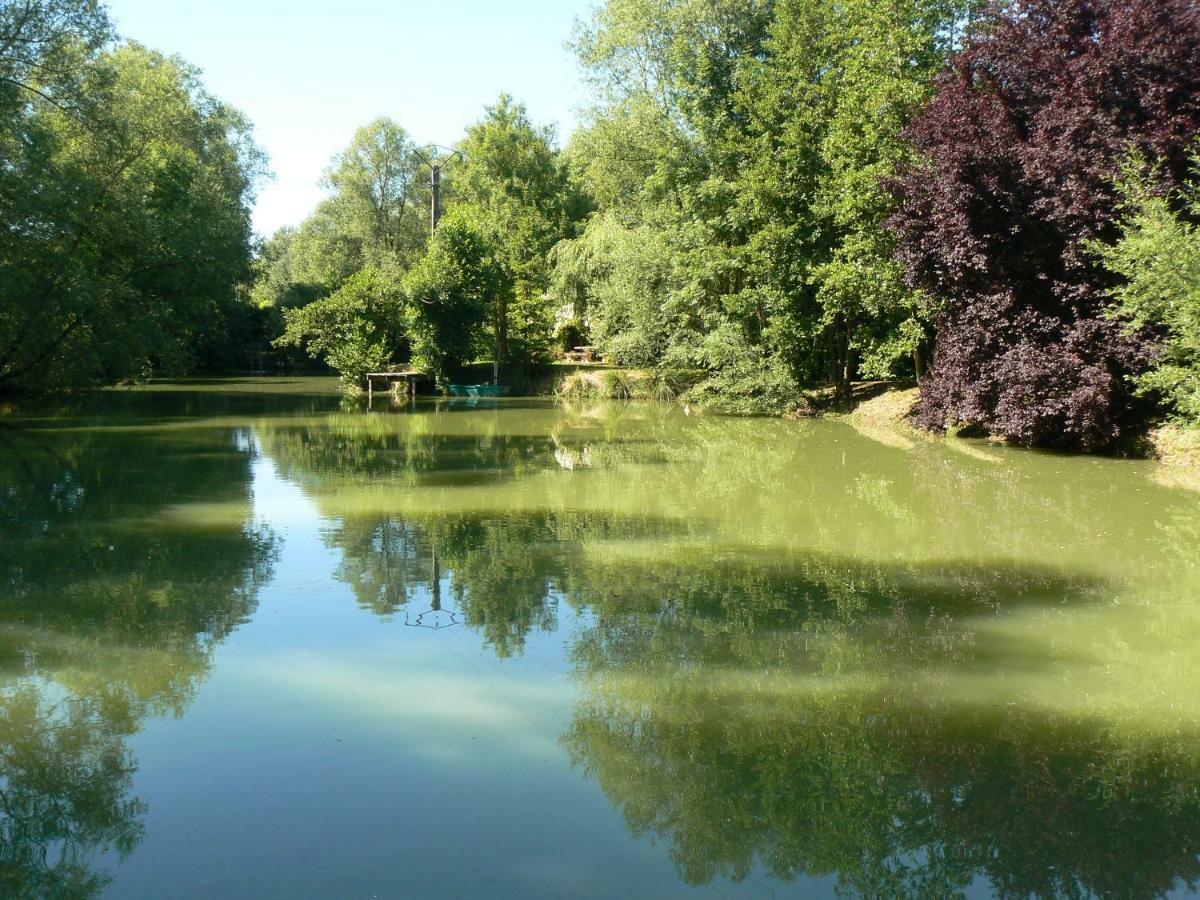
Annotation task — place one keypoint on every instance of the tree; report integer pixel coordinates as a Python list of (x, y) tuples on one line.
[(360, 328), (374, 217), (280, 276), (451, 291), (377, 192), (748, 143), (1019, 148), (517, 193), (43, 44), (1158, 261), (127, 217)]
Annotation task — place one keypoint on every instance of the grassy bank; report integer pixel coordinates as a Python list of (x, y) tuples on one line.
[(600, 382), (1177, 449)]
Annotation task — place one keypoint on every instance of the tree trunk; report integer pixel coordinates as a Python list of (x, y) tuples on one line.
[(845, 379), (501, 334)]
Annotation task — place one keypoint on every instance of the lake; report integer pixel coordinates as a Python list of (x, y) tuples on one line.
[(256, 641)]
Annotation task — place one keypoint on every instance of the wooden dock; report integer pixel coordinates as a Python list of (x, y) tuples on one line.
[(410, 377)]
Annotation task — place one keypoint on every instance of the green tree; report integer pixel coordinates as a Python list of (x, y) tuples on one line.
[(377, 193), (451, 291), (127, 197), (360, 328), (280, 273), (1158, 258), (750, 144), (44, 47), (517, 192), (374, 216)]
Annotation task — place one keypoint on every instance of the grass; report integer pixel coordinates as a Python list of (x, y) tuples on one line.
[(1176, 445), (888, 409)]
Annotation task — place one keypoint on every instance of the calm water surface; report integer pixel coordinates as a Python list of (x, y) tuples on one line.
[(256, 642)]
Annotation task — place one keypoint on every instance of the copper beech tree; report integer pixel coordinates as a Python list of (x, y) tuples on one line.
[(1019, 149)]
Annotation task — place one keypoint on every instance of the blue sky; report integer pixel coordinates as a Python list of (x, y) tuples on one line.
[(309, 73)]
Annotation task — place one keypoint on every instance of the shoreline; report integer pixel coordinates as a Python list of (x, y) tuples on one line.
[(1175, 448)]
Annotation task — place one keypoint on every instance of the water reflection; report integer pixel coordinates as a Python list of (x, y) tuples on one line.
[(794, 650), (909, 668), (123, 564), (895, 797)]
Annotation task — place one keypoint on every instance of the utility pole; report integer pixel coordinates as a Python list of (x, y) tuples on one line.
[(436, 163), (436, 212)]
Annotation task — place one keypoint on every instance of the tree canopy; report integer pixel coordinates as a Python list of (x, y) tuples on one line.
[(516, 190), (739, 152), (1158, 262), (126, 192), (450, 293), (772, 196)]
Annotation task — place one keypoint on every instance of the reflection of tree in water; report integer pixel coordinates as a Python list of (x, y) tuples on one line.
[(64, 793), (894, 796), (771, 714), (751, 688), (897, 799), (126, 557), (504, 575)]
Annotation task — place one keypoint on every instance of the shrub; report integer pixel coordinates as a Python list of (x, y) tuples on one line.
[(570, 335), (756, 388)]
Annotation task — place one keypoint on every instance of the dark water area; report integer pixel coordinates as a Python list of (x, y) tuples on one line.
[(258, 641)]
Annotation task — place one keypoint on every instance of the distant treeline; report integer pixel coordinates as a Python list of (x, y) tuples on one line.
[(772, 195)]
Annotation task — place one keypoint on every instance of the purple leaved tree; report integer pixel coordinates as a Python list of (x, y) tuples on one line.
[(1018, 150)]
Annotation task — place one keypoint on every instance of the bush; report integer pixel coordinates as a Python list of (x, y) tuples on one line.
[(755, 388), (570, 335)]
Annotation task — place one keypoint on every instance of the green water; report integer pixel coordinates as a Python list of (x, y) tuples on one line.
[(257, 642)]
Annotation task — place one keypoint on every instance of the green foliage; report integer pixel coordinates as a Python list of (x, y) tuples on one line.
[(569, 335), (360, 328), (451, 291), (740, 153), (665, 385), (284, 276), (617, 276), (377, 190), (744, 381), (617, 385), (518, 194), (374, 216), (1158, 258), (126, 191), (478, 289), (576, 386)]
